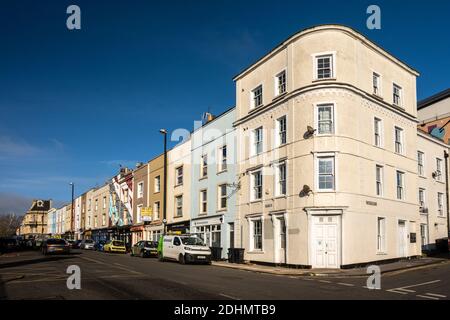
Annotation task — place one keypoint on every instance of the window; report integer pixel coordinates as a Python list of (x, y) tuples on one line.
[(140, 190), (325, 119), (179, 206), (376, 83), (89, 204), (326, 173), (280, 83), (203, 202), (179, 174), (381, 234), (256, 184), (440, 198), (378, 132), (223, 196), (400, 185), (324, 66), (379, 180), (281, 131), (104, 202), (157, 209), (280, 175), (96, 204), (231, 228), (204, 166), (397, 95), (257, 141), (223, 158), (158, 184), (257, 97), (438, 169), (422, 197), (256, 234), (398, 140), (420, 158)]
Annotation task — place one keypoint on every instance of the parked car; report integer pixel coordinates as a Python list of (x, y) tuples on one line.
[(115, 246), (184, 249), (145, 249), (87, 244), (76, 244), (99, 245), (53, 245), (8, 245)]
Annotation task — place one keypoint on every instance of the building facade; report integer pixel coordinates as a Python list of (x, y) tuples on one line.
[(326, 126), (100, 207), (178, 187), (155, 196), (51, 222), (34, 223), (140, 196), (213, 188), (434, 115)]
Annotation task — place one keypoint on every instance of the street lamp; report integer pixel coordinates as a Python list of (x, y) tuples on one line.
[(164, 133), (72, 225)]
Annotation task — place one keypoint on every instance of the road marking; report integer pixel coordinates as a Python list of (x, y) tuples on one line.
[(325, 281), (229, 297), (125, 268), (426, 297), (92, 260), (436, 295), (399, 292), (346, 284), (416, 285)]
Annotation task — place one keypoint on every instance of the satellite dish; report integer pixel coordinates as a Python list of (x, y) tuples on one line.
[(310, 130)]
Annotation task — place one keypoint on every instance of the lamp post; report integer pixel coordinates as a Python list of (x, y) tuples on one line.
[(72, 224), (164, 133)]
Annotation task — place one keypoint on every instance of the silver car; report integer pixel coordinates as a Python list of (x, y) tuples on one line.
[(87, 244)]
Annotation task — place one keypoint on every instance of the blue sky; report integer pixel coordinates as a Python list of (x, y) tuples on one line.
[(76, 104)]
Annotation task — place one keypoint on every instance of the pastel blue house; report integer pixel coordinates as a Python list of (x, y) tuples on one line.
[(51, 221), (213, 176)]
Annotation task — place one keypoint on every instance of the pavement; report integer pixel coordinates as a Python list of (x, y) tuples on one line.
[(30, 275), (405, 264)]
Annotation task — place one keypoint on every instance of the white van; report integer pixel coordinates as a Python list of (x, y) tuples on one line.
[(185, 249)]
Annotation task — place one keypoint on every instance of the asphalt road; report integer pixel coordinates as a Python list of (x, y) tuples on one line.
[(30, 275)]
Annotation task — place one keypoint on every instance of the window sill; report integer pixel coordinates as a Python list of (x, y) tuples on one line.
[(156, 192), (283, 196), (254, 109), (256, 252), (377, 96), (178, 185), (255, 201), (222, 171), (279, 96), (203, 178), (398, 107), (222, 210), (325, 79), (382, 254)]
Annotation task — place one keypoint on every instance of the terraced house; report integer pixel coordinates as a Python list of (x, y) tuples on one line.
[(212, 181), (327, 152)]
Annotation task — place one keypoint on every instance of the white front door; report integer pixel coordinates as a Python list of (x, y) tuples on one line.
[(402, 239), (280, 240), (325, 242)]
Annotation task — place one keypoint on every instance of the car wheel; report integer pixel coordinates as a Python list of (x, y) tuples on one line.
[(142, 254), (181, 259), (160, 257)]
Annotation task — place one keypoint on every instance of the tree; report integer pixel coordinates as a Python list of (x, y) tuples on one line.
[(9, 224)]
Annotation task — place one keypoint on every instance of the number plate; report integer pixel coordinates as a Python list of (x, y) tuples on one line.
[(201, 257)]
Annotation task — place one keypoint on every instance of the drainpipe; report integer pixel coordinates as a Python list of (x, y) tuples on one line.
[(446, 191)]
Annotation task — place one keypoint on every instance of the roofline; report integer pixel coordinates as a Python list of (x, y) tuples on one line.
[(215, 118), (321, 27), (433, 99), (432, 138)]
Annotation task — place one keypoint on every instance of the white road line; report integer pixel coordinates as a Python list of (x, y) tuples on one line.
[(346, 284), (227, 296), (416, 285), (404, 290), (436, 295), (426, 297), (399, 292), (92, 260), (325, 281)]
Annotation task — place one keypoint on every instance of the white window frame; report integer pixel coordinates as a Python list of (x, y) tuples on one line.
[(381, 182), (257, 143), (333, 117), (104, 202), (440, 204), (420, 163), (204, 166), (140, 190), (438, 169), (320, 157), (378, 125), (401, 142), (220, 196), (400, 95), (96, 205), (223, 164), (316, 56), (278, 181), (400, 187), (381, 235), (252, 235), (278, 132), (376, 75), (138, 213), (156, 213), (253, 186), (277, 83), (253, 97), (203, 201), (422, 202), (157, 183), (179, 176), (178, 207)]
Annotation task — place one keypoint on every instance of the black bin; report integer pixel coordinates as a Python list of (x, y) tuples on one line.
[(216, 253), (442, 245), (236, 255)]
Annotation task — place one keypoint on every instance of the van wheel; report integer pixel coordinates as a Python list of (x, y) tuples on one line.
[(181, 259), (160, 257)]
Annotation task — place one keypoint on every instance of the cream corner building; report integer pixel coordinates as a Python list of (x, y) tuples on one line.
[(344, 191)]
